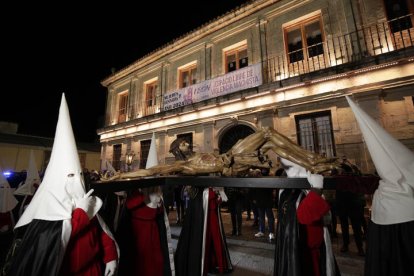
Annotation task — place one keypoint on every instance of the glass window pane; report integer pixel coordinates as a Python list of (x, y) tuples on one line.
[(193, 75), (185, 79), (294, 40), (315, 133), (396, 12), (306, 134), (314, 39), (243, 60)]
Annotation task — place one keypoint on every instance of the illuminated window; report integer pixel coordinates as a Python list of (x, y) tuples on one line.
[(151, 93), (315, 133), (304, 40), (187, 75), (397, 12), (145, 146), (236, 58), (122, 107)]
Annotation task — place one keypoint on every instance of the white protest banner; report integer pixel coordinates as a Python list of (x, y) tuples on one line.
[(241, 79)]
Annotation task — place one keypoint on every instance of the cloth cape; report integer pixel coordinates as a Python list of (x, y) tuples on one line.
[(125, 232), (291, 240), (189, 256)]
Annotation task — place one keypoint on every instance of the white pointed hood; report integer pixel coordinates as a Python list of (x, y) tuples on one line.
[(32, 178), (8, 201), (394, 199), (108, 167), (62, 180), (152, 159)]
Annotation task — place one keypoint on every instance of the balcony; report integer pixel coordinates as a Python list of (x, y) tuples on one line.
[(380, 43), (374, 44)]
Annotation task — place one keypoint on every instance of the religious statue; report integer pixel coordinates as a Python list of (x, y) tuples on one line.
[(247, 153)]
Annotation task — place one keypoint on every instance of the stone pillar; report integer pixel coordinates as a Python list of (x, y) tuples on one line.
[(261, 47), (208, 131), (208, 60), (162, 146)]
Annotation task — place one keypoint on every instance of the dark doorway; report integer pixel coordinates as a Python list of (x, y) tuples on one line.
[(232, 135)]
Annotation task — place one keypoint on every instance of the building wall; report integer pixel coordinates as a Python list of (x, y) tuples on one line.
[(16, 157), (385, 90)]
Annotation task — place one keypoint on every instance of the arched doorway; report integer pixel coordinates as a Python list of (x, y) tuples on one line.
[(232, 135)]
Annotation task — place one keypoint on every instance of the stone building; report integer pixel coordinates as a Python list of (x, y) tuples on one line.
[(285, 64)]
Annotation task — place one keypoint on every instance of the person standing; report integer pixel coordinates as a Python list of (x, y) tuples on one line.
[(150, 253), (8, 203), (263, 198), (303, 244), (349, 208), (30, 184), (391, 230), (202, 246), (60, 232), (235, 205), (179, 203)]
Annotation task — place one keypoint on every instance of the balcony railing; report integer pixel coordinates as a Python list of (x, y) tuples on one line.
[(376, 43), (356, 47)]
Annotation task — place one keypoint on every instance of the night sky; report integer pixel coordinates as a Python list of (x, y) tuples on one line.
[(70, 48)]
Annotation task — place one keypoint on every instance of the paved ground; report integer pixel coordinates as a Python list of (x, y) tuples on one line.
[(255, 256)]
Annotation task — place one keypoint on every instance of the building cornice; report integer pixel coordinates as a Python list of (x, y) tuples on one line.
[(185, 40), (317, 90)]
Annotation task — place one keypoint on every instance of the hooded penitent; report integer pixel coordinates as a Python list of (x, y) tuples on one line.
[(63, 178), (28, 187), (43, 243), (108, 166), (152, 159), (8, 201), (393, 201), (300, 231)]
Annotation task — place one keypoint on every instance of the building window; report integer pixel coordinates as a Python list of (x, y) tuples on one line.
[(188, 137), (150, 104), (304, 40), (122, 107), (398, 13), (315, 133), (187, 75), (145, 146), (236, 58), (116, 157), (151, 93)]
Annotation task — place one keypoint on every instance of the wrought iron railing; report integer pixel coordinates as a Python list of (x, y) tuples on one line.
[(367, 44), (363, 44)]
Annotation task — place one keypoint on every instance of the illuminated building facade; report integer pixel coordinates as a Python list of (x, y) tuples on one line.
[(285, 64)]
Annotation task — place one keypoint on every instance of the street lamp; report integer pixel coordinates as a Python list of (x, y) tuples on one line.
[(129, 158)]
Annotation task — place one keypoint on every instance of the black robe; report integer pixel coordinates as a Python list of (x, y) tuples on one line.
[(291, 258), (187, 257), (390, 249), (35, 250)]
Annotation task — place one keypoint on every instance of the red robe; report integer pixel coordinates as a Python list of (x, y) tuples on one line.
[(89, 247), (215, 256), (148, 258), (310, 213)]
